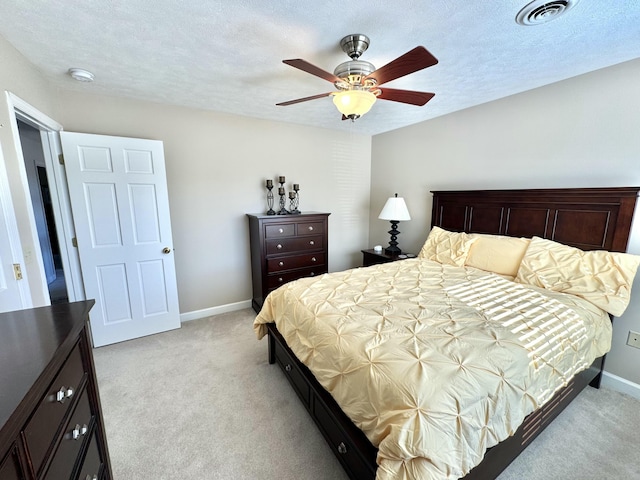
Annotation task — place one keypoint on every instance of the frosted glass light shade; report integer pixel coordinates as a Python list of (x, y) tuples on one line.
[(395, 209), (354, 102)]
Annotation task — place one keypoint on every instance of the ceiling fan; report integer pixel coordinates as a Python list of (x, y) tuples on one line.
[(358, 82)]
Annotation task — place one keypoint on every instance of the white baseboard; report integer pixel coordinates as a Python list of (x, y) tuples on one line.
[(614, 382), (208, 312)]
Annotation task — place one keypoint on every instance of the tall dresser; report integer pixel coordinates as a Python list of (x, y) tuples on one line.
[(51, 425), (286, 248)]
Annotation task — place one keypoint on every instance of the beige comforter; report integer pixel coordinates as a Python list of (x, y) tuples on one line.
[(435, 363)]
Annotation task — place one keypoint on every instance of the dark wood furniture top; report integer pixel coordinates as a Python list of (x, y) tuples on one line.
[(285, 248), (586, 218), (372, 257), (51, 424)]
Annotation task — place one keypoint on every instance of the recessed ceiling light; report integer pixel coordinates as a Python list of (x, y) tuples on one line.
[(543, 11), (81, 74)]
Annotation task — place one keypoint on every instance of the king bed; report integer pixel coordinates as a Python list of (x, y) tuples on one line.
[(450, 364)]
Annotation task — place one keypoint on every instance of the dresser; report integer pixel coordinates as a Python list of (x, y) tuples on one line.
[(51, 425), (285, 248)]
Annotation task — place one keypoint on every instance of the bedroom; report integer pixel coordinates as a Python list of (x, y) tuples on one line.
[(588, 125)]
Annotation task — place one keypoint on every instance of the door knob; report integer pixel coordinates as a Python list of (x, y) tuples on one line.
[(166, 250)]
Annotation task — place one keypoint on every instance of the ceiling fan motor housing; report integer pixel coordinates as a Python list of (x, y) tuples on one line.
[(353, 73)]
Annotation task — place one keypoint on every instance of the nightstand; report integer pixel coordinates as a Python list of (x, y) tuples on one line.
[(371, 257)]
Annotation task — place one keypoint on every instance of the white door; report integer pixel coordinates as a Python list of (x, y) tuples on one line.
[(119, 200), (14, 292)]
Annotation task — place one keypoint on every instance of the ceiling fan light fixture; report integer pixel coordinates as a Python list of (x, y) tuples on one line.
[(354, 102)]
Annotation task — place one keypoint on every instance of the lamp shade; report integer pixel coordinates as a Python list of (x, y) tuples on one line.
[(395, 209), (354, 102)]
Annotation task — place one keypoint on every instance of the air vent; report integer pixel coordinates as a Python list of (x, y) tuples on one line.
[(543, 11)]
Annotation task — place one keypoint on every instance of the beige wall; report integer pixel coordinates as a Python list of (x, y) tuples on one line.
[(582, 132), (216, 168)]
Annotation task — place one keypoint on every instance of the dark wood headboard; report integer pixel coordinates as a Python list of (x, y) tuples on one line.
[(587, 218)]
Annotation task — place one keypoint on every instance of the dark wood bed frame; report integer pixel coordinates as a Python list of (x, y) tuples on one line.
[(587, 218)]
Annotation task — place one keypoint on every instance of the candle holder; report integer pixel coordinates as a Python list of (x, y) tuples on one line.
[(293, 204), (296, 188), (283, 210), (271, 211)]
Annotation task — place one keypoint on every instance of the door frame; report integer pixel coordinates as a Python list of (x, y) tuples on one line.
[(49, 134), (6, 203)]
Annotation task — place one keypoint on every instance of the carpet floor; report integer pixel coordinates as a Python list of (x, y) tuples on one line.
[(202, 402)]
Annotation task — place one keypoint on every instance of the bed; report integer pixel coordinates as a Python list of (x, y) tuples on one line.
[(589, 219)]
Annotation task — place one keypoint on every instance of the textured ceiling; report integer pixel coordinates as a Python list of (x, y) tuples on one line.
[(227, 55)]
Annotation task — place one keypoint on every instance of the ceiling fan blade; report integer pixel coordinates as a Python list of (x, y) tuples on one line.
[(405, 96), (410, 62), (312, 69), (305, 99)]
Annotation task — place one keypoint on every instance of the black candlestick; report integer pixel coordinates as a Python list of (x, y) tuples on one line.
[(283, 210), (271, 211)]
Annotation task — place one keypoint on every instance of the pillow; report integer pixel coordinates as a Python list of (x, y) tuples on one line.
[(603, 278), (449, 248), (497, 253)]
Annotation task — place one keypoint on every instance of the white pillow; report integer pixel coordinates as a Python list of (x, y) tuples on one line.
[(603, 278), (497, 253), (449, 248)]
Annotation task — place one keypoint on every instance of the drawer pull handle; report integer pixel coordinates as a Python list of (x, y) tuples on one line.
[(279, 247), (342, 448), (63, 394), (89, 477), (313, 274), (280, 230), (281, 264), (310, 228), (313, 259), (280, 280), (312, 242), (79, 431), (287, 367)]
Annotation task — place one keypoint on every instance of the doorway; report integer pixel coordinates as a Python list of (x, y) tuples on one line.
[(42, 206), (44, 163)]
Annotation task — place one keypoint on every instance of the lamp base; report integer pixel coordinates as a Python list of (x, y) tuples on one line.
[(393, 249)]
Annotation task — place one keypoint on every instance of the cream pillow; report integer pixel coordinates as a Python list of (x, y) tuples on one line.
[(449, 248), (497, 253), (603, 278)]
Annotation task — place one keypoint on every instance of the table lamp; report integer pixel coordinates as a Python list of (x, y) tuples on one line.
[(395, 210)]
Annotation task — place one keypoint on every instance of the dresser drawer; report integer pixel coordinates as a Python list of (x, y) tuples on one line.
[(43, 426), (294, 244), (295, 261), (293, 373), (92, 464), (65, 457), (311, 228), (280, 230), (337, 438), (277, 280), (9, 467)]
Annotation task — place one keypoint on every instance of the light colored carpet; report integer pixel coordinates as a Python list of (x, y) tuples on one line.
[(202, 402)]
